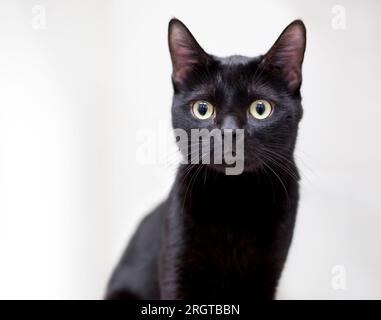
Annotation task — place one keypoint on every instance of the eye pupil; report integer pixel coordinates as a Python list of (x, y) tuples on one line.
[(202, 108), (260, 108)]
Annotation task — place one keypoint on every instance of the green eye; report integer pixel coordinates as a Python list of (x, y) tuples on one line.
[(202, 109), (261, 109)]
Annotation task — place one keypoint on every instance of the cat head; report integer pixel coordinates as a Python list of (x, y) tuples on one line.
[(257, 96)]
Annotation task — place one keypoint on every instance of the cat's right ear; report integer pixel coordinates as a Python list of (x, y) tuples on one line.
[(186, 53), (286, 55)]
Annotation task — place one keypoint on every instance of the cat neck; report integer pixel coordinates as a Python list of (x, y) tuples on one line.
[(207, 195)]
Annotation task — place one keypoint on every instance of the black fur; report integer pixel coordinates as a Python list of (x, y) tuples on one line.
[(219, 236)]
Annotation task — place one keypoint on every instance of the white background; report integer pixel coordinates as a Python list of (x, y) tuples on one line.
[(75, 94)]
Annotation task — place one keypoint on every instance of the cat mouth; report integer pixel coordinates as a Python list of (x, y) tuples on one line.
[(232, 163)]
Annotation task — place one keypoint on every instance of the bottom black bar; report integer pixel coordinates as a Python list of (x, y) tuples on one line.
[(191, 310)]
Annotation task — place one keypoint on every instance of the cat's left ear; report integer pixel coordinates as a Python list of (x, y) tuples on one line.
[(287, 53), (186, 53)]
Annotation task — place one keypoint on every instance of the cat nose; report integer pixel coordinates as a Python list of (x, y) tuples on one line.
[(230, 123)]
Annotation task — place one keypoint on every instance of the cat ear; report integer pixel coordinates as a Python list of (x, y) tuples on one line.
[(186, 53), (286, 55)]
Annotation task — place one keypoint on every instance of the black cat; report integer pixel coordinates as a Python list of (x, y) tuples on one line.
[(224, 236)]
